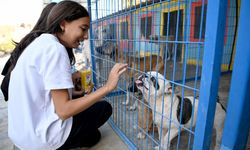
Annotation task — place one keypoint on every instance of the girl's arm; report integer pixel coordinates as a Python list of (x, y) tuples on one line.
[(66, 108)]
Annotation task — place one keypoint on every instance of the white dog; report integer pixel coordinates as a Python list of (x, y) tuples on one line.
[(158, 92)]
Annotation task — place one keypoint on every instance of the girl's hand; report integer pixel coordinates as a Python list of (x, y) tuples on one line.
[(114, 75), (76, 75), (89, 89)]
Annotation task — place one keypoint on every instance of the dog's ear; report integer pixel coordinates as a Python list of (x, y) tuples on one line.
[(170, 88), (176, 89)]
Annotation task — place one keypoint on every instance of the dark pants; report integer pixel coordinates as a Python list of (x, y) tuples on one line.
[(84, 131)]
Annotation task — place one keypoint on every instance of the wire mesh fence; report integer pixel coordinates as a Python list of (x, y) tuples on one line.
[(166, 37)]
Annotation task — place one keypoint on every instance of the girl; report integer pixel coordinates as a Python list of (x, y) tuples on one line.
[(40, 110)]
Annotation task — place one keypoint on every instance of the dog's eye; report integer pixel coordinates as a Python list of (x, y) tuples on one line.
[(155, 83), (142, 77)]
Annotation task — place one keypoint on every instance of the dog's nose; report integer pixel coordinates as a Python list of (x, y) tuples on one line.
[(132, 87)]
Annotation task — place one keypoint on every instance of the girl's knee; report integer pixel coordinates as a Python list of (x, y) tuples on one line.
[(107, 108)]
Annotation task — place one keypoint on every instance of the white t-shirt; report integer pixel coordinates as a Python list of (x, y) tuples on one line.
[(32, 121)]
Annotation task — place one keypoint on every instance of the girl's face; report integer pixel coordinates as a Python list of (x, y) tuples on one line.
[(74, 32)]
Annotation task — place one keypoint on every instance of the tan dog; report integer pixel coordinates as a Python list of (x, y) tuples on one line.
[(158, 92), (137, 66), (145, 118), (166, 42)]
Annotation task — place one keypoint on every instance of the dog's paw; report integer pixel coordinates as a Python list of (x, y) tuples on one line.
[(141, 135), (132, 108), (156, 148), (125, 103), (162, 147)]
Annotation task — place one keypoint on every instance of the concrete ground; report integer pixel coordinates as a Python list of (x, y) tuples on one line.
[(110, 140)]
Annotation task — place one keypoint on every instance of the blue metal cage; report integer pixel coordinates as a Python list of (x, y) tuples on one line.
[(190, 42)]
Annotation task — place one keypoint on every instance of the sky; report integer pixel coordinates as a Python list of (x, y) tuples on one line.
[(20, 11)]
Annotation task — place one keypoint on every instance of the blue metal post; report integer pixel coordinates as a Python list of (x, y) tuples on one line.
[(92, 44), (214, 40), (236, 128)]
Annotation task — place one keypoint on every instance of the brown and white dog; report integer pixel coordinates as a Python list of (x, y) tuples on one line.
[(157, 91), (136, 66), (145, 118)]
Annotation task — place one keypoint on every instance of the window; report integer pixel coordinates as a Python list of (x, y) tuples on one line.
[(112, 31), (146, 24), (197, 22), (124, 30), (170, 27)]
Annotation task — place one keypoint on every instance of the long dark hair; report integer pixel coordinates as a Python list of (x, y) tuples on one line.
[(41, 22), (68, 11), (64, 10), (37, 30)]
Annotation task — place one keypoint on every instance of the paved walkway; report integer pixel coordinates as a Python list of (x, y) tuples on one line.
[(5, 143)]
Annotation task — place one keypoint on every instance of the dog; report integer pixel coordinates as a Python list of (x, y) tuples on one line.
[(136, 66), (145, 118), (167, 42), (158, 92)]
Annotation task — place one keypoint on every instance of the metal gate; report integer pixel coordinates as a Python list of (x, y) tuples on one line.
[(191, 43)]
